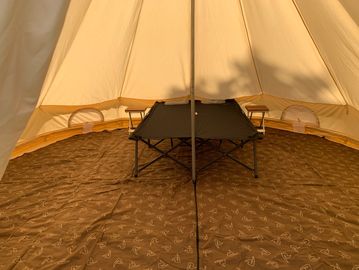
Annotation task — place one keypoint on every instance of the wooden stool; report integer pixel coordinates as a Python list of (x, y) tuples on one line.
[(130, 111), (257, 109)]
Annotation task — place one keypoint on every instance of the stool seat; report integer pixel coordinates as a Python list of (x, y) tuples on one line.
[(135, 109), (257, 108)]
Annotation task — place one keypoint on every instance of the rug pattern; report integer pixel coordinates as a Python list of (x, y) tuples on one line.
[(74, 205)]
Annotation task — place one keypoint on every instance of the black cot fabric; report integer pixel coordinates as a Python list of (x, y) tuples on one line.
[(213, 121)]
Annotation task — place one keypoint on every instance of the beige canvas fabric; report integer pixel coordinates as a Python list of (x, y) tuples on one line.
[(277, 53), (336, 33), (28, 35)]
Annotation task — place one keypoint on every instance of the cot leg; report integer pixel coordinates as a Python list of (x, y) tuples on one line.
[(136, 159), (255, 159)]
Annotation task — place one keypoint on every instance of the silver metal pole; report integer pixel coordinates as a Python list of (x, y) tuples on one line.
[(193, 125), (192, 94)]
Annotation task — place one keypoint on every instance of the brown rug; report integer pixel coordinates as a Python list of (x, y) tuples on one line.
[(74, 205)]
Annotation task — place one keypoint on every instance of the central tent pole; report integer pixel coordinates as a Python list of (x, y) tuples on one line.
[(193, 125), (192, 94)]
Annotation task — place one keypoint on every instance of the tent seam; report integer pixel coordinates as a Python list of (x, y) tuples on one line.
[(250, 46), (337, 83), (131, 49)]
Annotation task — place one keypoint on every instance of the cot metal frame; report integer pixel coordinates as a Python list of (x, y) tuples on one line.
[(199, 142)]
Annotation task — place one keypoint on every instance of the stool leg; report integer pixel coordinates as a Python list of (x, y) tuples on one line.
[(262, 120), (130, 115), (255, 159), (264, 129), (136, 159)]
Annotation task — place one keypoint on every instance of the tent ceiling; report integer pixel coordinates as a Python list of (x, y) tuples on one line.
[(300, 50)]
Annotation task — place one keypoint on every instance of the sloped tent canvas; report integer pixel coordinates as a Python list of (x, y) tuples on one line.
[(114, 53), (29, 31)]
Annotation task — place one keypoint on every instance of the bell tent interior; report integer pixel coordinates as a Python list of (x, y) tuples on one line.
[(71, 73)]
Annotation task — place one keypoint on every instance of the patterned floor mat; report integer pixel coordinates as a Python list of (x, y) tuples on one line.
[(74, 205)]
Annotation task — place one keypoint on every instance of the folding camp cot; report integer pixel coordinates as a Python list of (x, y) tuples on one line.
[(214, 120)]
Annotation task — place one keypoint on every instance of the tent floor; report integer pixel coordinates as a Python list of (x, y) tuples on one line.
[(74, 205)]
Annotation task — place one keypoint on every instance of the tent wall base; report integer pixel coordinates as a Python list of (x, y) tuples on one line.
[(52, 137)]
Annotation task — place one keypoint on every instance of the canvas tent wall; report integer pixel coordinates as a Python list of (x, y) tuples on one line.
[(279, 53), (28, 34)]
